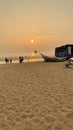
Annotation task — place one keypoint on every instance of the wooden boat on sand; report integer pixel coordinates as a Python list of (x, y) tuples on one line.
[(53, 59)]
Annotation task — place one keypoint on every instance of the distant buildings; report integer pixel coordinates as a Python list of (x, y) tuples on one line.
[(64, 50)]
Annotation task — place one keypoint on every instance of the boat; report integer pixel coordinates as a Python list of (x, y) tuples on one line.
[(53, 59)]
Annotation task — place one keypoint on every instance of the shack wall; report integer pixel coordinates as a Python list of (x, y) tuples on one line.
[(63, 51)]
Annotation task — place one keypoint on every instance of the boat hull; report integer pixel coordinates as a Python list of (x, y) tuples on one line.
[(53, 59)]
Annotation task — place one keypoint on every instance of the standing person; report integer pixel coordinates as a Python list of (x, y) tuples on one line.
[(6, 60), (10, 60), (20, 59)]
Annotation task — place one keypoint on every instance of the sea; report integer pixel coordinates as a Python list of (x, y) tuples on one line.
[(26, 59)]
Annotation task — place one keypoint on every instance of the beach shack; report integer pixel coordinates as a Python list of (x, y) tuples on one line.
[(64, 50)]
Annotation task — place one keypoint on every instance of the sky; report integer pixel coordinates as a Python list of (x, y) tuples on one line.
[(48, 22)]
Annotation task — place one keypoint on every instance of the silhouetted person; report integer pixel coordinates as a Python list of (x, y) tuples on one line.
[(20, 59), (10, 60), (6, 60)]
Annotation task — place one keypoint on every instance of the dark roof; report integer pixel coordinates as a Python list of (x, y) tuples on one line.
[(66, 45)]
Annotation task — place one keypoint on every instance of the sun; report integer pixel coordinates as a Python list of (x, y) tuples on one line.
[(32, 41)]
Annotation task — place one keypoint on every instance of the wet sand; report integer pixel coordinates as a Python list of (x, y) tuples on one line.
[(36, 96)]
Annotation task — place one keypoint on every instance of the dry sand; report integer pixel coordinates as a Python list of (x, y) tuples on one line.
[(36, 96)]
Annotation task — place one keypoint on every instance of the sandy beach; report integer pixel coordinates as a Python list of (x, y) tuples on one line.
[(36, 96)]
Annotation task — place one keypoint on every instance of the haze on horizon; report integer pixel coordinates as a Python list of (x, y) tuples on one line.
[(48, 22)]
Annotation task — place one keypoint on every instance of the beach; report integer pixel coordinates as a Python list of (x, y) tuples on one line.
[(36, 96)]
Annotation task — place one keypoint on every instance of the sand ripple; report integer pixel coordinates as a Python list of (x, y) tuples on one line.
[(36, 96)]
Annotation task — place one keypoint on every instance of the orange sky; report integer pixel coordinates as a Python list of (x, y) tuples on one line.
[(48, 22)]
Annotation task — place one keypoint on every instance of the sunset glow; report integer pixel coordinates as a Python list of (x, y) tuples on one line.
[(32, 41), (33, 54), (25, 24)]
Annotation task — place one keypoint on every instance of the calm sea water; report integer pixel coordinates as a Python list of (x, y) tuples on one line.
[(25, 60)]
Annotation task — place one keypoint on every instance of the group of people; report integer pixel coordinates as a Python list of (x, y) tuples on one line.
[(9, 60)]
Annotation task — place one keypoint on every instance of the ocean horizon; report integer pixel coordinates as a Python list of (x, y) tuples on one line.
[(26, 59)]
